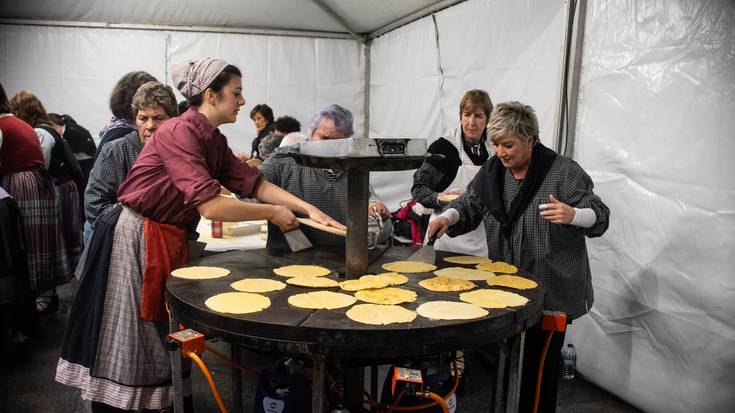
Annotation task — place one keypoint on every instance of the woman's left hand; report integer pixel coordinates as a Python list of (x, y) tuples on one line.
[(378, 208), (317, 215), (556, 211)]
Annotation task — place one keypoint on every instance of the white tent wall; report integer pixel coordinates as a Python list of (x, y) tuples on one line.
[(72, 70), (655, 132), (511, 49)]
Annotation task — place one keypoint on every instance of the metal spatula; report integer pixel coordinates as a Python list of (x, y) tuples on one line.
[(296, 240), (426, 253)]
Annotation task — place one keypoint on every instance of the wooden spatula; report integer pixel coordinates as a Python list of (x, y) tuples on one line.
[(332, 230)]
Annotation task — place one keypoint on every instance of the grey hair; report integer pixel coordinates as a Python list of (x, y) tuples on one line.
[(155, 94), (268, 144), (513, 119), (341, 117)]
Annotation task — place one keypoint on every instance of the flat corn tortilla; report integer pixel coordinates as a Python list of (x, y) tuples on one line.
[(238, 303), (498, 267), (302, 270), (408, 266), (318, 300), (394, 277), (488, 298), (312, 282), (447, 284), (258, 285), (365, 282), (374, 314), (462, 273), (512, 281), (468, 260), (200, 273), (450, 310), (389, 296)]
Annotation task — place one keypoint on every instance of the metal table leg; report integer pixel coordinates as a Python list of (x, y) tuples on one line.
[(500, 377), (358, 188), (354, 381), (176, 369), (516, 368), (317, 395), (236, 379)]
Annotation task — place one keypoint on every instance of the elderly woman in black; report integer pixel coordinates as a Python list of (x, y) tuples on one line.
[(262, 116), (537, 208)]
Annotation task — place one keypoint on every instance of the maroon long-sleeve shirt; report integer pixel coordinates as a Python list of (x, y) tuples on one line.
[(183, 166)]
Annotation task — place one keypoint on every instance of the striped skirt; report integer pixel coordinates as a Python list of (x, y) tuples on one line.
[(130, 368), (46, 253)]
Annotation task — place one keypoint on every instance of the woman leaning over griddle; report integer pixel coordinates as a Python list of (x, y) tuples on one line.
[(540, 206), (113, 348)]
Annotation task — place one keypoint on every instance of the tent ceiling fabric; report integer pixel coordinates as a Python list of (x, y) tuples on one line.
[(362, 16)]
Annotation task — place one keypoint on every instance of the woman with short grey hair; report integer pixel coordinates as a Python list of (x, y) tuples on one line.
[(332, 122), (152, 104), (538, 207)]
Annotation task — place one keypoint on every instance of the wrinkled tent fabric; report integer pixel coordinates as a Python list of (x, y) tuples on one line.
[(657, 99), (654, 130)]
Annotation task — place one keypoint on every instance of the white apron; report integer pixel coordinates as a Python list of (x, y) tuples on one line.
[(475, 241)]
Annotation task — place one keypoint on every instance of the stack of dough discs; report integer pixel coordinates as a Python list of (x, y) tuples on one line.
[(512, 281), (380, 314), (409, 266), (200, 273), (390, 295), (364, 283), (493, 298), (302, 270), (394, 278), (462, 273), (312, 282), (318, 300), (258, 285), (450, 310), (447, 284), (468, 260), (238, 303), (499, 267)]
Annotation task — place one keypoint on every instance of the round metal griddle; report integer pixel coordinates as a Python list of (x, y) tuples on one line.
[(286, 328)]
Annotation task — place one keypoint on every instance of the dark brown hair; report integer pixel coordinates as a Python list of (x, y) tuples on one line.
[(4, 103), (217, 84), (122, 93), (264, 110), (26, 106)]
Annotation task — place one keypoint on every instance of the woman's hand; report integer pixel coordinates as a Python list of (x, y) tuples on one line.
[(317, 215), (283, 218), (378, 208), (556, 211), (437, 228)]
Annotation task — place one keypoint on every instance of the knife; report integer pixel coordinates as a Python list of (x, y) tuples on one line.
[(426, 253)]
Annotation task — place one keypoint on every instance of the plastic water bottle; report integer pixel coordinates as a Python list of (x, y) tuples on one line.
[(569, 359)]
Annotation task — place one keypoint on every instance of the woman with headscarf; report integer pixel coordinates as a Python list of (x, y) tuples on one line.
[(177, 175), (464, 151), (67, 176), (538, 207)]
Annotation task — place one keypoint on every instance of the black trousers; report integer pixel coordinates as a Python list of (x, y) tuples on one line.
[(534, 346)]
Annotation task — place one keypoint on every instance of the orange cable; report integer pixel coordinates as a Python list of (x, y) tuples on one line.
[(231, 362), (440, 401), (208, 375), (541, 371)]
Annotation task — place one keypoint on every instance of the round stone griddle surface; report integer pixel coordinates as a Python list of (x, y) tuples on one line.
[(286, 328)]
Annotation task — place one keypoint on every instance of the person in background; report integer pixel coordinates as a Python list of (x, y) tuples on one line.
[(281, 127), (25, 178), (325, 188), (67, 179), (262, 116), (465, 150), (293, 138), (122, 121), (152, 104), (183, 106), (81, 143), (177, 176), (538, 207)]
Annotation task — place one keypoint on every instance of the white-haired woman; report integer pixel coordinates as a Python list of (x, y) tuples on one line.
[(538, 207)]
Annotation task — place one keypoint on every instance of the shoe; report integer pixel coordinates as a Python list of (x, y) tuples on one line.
[(47, 304)]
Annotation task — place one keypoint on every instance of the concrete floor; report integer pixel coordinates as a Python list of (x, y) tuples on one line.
[(28, 380)]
